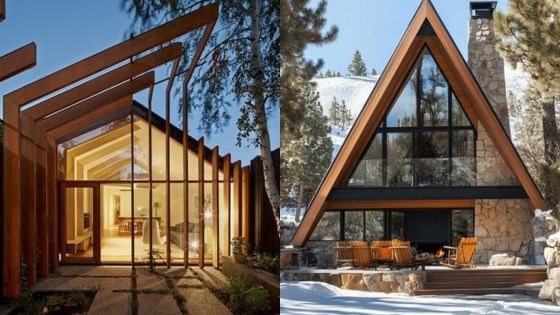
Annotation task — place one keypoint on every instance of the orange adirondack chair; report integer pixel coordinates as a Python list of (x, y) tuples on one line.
[(462, 255), (362, 254), (381, 250), (402, 256), (344, 254)]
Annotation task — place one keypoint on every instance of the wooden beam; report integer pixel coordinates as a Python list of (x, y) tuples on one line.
[(215, 209), (245, 206), (236, 206), (2, 10), (201, 198), (396, 204), (18, 60), (227, 204)]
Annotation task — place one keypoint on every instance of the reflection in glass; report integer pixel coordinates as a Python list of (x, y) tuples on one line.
[(433, 99), (370, 169), (432, 166), (464, 165), (374, 225), (459, 118), (177, 225), (399, 163), (353, 225), (462, 224), (397, 225), (403, 112), (328, 228), (208, 228), (193, 223)]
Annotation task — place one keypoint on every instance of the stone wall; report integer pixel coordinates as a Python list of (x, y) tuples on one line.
[(488, 66), (551, 287), (501, 225)]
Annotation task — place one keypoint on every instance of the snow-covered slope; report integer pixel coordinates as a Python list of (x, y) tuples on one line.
[(353, 90)]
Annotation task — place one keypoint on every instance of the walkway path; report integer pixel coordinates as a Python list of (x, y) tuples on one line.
[(122, 290)]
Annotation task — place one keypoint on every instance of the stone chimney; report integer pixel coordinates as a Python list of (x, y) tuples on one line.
[(484, 60)]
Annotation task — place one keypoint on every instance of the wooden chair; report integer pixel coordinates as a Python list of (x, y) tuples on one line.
[(462, 255), (402, 256), (381, 250), (344, 254), (400, 243), (362, 254)]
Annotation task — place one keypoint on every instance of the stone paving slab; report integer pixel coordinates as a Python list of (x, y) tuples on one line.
[(107, 302), (158, 304), (212, 276), (188, 282), (69, 283), (203, 302), (147, 280), (96, 271)]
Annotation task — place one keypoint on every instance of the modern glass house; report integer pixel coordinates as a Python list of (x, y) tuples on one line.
[(428, 159), (91, 176)]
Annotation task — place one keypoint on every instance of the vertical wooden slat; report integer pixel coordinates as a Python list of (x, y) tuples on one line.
[(150, 177), (236, 206), (132, 186), (29, 218), (42, 214), (54, 239), (245, 211), (185, 176), (97, 223), (227, 204), (201, 202), (215, 209)]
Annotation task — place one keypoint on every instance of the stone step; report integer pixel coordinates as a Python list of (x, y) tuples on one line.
[(471, 291), (517, 278), (468, 284)]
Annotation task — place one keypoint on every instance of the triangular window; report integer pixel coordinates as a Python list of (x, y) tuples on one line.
[(426, 139)]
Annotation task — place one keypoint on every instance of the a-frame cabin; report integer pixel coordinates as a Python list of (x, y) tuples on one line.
[(427, 159)]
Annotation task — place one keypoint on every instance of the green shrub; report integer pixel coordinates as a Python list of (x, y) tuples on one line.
[(247, 300)]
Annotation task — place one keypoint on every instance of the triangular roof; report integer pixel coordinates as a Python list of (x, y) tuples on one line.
[(461, 80)]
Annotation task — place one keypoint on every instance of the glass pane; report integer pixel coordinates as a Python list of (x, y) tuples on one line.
[(459, 118), (141, 149), (116, 224), (462, 224), (399, 163), (432, 160), (370, 169), (100, 154), (434, 97), (353, 225), (193, 223), (223, 222), (403, 112), (141, 226), (208, 228), (158, 154), (374, 225), (397, 225), (177, 234), (328, 228), (79, 222), (463, 168)]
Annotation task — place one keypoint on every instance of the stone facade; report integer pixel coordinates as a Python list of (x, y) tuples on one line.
[(488, 66), (551, 287), (501, 226)]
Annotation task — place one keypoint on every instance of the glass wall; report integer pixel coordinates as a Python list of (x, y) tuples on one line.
[(425, 138), (116, 156), (79, 222)]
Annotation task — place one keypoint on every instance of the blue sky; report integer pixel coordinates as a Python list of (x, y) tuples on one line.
[(67, 31), (374, 27)]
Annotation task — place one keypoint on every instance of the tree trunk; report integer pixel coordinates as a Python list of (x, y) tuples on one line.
[(260, 115), (550, 133), (299, 201)]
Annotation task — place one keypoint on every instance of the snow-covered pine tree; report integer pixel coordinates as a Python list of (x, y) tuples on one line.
[(334, 112), (358, 66), (373, 71)]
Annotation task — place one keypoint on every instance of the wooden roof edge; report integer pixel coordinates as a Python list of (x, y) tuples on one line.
[(18, 61)]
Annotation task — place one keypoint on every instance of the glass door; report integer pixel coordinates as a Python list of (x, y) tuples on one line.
[(80, 212)]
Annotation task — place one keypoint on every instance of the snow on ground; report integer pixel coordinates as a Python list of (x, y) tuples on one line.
[(299, 298), (289, 214)]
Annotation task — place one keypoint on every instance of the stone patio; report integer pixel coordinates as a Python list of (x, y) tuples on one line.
[(121, 290)]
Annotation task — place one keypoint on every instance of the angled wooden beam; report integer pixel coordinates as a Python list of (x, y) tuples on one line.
[(18, 60), (215, 209), (2, 10)]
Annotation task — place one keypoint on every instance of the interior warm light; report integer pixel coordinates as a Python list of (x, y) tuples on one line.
[(194, 246), (207, 214)]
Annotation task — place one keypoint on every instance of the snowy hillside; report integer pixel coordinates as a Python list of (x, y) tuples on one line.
[(353, 90)]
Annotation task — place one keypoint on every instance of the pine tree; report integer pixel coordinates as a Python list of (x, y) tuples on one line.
[(373, 71), (328, 74), (305, 159), (529, 37), (334, 112), (338, 74), (345, 117), (301, 25), (357, 67)]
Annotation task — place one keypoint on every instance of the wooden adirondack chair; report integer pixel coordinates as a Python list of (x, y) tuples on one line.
[(362, 254), (344, 254), (400, 243), (381, 250), (462, 255), (402, 256)]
